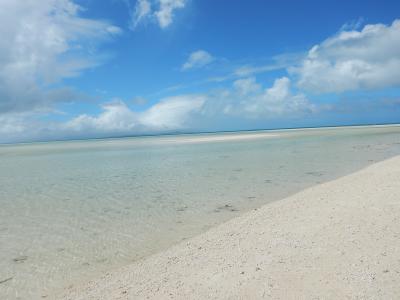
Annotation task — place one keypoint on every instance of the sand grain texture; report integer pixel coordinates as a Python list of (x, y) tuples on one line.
[(337, 240)]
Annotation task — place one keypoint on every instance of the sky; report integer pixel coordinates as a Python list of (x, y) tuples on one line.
[(85, 68)]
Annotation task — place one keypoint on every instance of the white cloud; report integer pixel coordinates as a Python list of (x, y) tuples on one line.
[(353, 60), (116, 117), (162, 11), (12, 124), (43, 42), (168, 114), (250, 70), (198, 59), (141, 12), (246, 99), (251, 101), (246, 86), (277, 62), (172, 113), (26, 126), (165, 13)]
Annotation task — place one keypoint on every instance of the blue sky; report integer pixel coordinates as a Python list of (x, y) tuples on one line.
[(91, 68)]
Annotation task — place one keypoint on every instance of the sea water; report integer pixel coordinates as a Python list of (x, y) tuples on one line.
[(70, 211)]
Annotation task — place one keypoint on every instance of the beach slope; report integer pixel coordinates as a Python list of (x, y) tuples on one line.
[(336, 240)]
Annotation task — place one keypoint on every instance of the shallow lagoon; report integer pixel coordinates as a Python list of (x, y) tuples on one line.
[(72, 210)]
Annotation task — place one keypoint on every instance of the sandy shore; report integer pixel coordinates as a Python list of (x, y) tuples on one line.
[(190, 139), (337, 240)]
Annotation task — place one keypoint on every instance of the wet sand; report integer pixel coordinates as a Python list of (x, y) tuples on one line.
[(336, 240)]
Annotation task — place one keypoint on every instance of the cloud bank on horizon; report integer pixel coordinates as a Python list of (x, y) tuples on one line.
[(48, 47)]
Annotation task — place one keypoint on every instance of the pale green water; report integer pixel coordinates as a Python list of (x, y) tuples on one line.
[(72, 210)]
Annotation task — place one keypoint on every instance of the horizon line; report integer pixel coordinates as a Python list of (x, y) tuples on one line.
[(177, 133)]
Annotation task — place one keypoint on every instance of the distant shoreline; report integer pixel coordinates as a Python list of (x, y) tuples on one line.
[(195, 133)]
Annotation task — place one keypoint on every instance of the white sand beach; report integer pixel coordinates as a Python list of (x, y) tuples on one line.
[(220, 137), (337, 240)]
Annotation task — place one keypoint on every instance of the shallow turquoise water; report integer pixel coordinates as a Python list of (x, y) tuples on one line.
[(72, 210)]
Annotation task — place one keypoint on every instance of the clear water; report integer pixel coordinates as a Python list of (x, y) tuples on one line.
[(70, 211)]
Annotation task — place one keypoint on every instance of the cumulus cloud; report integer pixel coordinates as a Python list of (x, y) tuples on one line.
[(162, 11), (353, 60), (12, 124), (198, 59), (116, 117), (43, 42), (278, 100), (246, 86), (27, 126), (168, 114), (172, 112), (245, 99)]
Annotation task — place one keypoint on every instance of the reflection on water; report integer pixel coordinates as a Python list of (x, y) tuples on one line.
[(71, 210)]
